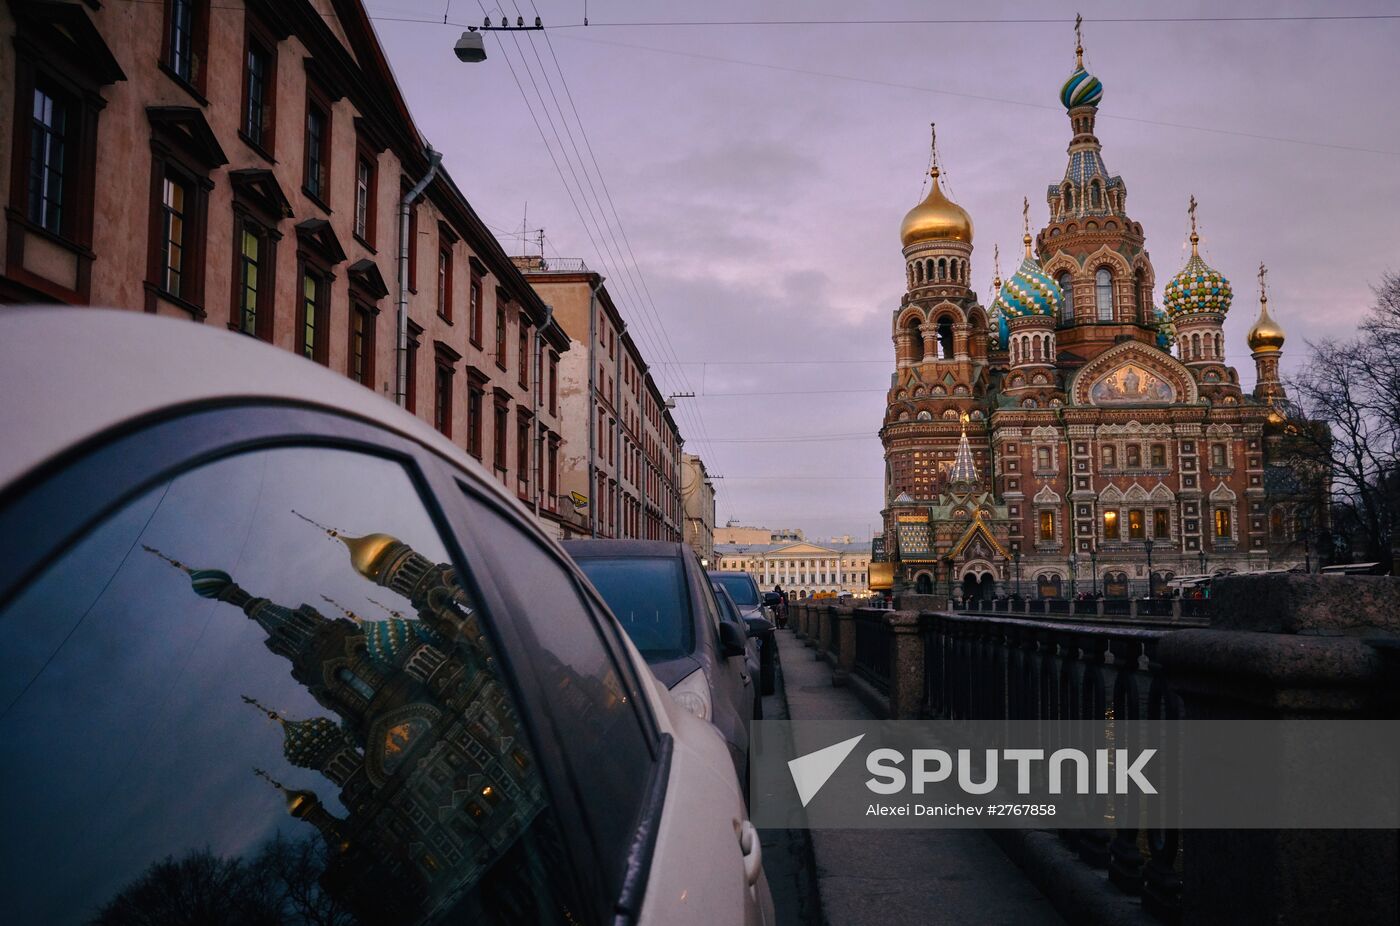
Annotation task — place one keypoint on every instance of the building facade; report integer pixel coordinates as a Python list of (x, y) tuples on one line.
[(253, 157), (1073, 437), (802, 569), (742, 534), (620, 466), (698, 494)]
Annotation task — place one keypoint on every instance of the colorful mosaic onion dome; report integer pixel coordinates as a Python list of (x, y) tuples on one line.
[(1197, 289), (308, 743), (209, 583), (1266, 337), (937, 218), (387, 640), (1029, 292), (1081, 89)]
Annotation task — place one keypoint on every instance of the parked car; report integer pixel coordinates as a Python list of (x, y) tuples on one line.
[(660, 594), (275, 646), (753, 650), (758, 616)]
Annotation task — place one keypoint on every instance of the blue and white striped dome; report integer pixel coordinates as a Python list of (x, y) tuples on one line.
[(1081, 89), (1029, 292)]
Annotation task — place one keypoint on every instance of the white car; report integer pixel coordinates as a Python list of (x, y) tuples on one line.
[(275, 650)]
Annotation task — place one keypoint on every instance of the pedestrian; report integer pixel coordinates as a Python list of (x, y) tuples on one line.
[(782, 607)]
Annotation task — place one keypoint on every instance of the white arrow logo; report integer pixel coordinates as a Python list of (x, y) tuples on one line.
[(811, 771)]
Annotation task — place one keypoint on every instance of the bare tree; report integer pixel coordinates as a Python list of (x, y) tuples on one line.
[(1353, 387)]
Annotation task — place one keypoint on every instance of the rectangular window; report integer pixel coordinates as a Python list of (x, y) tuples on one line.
[(1222, 523), (362, 345), (180, 40), (1047, 525), (1137, 524), (1217, 456), (174, 193), (476, 398), (1159, 456), (411, 386), (1109, 456), (1042, 458), (309, 333), (474, 311), (553, 473), (501, 337), (250, 259), (1110, 525), (442, 398), (501, 422), (48, 161), (522, 452), (318, 126), (1161, 523), (444, 283), (1134, 456), (258, 95), (364, 199), (553, 384), (524, 354)]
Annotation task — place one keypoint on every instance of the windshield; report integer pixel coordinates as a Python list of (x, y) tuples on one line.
[(647, 595), (740, 588)]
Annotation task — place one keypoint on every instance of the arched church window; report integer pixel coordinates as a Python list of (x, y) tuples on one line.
[(928, 270), (1219, 348), (1103, 294), (1195, 347), (945, 337), (1067, 287), (1139, 303), (1069, 198), (1095, 195), (942, 269)]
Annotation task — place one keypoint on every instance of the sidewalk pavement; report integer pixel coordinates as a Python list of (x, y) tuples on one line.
[(888, 877)]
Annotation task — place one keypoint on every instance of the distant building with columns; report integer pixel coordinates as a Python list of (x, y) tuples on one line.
[(802, 568)]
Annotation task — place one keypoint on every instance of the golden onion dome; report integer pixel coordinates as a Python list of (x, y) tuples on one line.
[(937, 218), (365, 552), (301, 803), (1267, 335)]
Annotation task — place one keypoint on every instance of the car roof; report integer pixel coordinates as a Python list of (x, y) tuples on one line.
[(602, 547), (729, 572), (69, 374)]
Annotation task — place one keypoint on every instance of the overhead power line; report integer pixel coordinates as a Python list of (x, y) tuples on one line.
[(1061, 20)]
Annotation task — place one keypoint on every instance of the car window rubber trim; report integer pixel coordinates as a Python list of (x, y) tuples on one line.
[(639, 854)]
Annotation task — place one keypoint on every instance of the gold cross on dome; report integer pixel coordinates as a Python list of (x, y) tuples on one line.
[(933, 148), (1263, 272), (1078, 41)]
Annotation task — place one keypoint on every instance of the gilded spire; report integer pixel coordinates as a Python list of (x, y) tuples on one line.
[(1266, 336), (342, 609), (365, 551), (271, 714), (1026, 224), (933, 151), (172, 561), (996, 268), (391, 612), (1195, 238), (1078, 41)]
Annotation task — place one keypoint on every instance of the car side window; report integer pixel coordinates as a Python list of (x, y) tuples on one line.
[(260, 691), (602, 735)]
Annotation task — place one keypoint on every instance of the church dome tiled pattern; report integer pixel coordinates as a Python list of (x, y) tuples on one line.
[(1196, 290), (1029, 292), (1081, 89), (386, 640), (307, 742)]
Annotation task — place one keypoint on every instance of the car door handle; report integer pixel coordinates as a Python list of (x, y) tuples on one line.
[(750, 845)]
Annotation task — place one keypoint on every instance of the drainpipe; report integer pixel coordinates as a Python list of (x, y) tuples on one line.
[(401, 345), (593, 407)]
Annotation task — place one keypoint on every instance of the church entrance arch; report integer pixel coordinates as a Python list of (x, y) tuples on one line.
[(923, 584), (1049, 585), (978, 584)]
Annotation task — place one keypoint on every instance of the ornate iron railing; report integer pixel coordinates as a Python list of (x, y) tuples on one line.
[(874, 648)]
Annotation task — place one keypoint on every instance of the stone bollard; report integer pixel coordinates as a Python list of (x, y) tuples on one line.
[(826, 632), (844, 645), (1290, 646), (906, 665)]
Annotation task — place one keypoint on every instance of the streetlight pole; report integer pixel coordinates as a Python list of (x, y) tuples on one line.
[(1073, 571), (1094, 567), (1203, 562), (1017, 557)]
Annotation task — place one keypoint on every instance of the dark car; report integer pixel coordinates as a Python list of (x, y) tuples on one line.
[(753, 655), (277, 651), (661, 595), (758, 616)]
